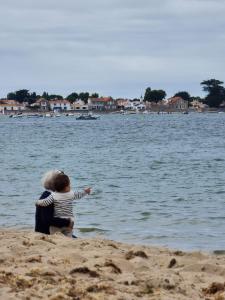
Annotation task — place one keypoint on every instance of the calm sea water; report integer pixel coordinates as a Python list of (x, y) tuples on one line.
[(157, 179)]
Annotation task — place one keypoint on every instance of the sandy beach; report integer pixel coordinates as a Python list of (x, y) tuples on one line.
[(36, 266)]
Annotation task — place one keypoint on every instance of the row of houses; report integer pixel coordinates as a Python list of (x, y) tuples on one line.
[(97, 104), (11, 105)]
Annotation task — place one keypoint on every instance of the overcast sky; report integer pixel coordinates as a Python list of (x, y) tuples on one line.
[(114, 47)]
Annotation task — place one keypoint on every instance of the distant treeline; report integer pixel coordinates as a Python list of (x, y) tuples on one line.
[(213, 87), (25, 96)]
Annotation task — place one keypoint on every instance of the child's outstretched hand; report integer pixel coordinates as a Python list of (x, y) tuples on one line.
[(87, 190)]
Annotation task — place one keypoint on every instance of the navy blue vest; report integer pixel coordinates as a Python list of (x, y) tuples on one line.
[(44, 217)]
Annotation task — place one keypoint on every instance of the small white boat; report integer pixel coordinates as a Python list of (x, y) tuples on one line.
[(34, 116), (16, 116), (48, 115), (131, 112)]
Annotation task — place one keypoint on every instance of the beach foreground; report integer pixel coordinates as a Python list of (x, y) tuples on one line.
[(36, 266)]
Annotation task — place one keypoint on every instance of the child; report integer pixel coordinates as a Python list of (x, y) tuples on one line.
[(63, 202), (44, 215)]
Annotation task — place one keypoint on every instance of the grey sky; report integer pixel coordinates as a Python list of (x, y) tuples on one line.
[(113, 47)]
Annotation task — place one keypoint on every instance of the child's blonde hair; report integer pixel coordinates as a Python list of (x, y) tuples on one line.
[(47, 180)]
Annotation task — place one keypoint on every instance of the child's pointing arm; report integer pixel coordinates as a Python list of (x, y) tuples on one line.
[(79, 195)]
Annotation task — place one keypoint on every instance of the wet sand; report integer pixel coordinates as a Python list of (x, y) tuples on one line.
[(36, 266)]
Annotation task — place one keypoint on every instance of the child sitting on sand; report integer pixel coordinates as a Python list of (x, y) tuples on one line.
[(44, 215), (63, 202)]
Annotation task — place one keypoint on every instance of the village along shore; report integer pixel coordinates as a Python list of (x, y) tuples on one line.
[(101, 105)]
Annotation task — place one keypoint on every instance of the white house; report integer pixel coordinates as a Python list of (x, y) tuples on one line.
[(124, 104), (199, 106), (10, 106), (42, 103), (128, 104), (59, 105), (102, 104), (79, 105)]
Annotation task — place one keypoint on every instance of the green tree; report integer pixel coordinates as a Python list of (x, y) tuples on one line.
[(215, 90), (157, 95), (45, 95), (11, 96), (154, 95), (95, 95), (22, 95), (184, 95), (216, 97), (209, 85), (84, 97), (147, 94), (53, 96), (72, 97), (31, 98)]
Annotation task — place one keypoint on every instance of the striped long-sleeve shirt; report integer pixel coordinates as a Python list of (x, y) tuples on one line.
[(63, 203)]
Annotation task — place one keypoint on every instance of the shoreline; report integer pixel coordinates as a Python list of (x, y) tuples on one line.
[(79, 232), (37, 266)]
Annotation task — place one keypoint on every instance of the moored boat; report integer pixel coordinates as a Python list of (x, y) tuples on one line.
[(34, 115), (16, 116), (87, 117)]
